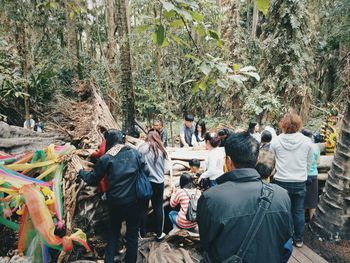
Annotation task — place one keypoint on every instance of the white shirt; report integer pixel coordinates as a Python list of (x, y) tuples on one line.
[(214, 164)]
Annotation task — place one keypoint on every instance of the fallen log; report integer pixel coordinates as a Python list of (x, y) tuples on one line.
[(14, 140)]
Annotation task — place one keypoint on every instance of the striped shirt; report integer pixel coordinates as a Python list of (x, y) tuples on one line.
[(182, 198)]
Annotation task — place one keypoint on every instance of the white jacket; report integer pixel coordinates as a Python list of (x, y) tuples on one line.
[(294, 154)]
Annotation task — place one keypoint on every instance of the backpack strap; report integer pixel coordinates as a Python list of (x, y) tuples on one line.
[(266, 197)]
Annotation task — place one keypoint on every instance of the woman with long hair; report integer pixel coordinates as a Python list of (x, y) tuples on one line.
[(155, 155), (121, 165), (198, 135), (253, 129)]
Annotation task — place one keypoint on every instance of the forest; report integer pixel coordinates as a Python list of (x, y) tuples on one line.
[(79, 65), (238, 60)]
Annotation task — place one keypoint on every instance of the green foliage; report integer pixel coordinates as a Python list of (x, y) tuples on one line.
[(286, 60), (11, 80), (263, 6)]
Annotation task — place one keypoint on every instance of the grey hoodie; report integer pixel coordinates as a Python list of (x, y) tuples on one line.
[(294, 154)]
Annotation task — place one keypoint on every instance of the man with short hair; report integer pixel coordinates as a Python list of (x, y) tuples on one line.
[(159, 127), (186, 131), (226, 211)]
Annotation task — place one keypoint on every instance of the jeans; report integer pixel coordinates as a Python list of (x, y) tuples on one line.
[(157, 205), (172, 216), (288, 249), (131, 213), (158, 209), (296, 192)]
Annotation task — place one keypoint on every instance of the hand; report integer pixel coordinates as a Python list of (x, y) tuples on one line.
[(90, 151), (173, 189)]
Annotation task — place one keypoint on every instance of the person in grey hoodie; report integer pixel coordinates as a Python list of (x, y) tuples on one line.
[(155, 155), (294, 154)]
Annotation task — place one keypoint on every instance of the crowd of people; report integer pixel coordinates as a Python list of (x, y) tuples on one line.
[(247, 202)]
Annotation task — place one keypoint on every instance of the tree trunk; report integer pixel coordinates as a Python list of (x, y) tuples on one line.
[(255, 20), (110, 36), (126, 71), (333, 213), (72, 35), (22, 48)]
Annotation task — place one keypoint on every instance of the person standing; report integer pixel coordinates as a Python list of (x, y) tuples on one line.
[(186, 131), (294, 155), (159, 126), (121, 164), (29, 123), (311, 197), (225, 212), (155, 155)]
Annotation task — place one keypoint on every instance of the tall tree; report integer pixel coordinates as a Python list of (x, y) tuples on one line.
[(72, 10), (286, 60), (111, 51), (333, 217), (127, 86)]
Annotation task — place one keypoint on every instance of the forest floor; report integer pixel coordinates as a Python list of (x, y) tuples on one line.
[(333, 252)]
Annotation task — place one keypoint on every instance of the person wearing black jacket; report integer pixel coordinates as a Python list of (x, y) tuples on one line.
[(225, 212), (121, 165)]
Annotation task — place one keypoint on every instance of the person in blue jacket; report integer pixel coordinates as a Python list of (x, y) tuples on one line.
[(121, 165)]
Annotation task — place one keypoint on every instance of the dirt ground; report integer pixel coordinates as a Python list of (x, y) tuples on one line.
[(333, 252)]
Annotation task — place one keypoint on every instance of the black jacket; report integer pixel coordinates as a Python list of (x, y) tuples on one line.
[(226, 211), (121, 171)]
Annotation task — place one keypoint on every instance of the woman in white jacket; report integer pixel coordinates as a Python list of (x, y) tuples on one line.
[(294, 154), (216, 158)]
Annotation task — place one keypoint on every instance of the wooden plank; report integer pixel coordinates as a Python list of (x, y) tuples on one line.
[(325, 161), (293, 260), (313, 256), (300, 256)]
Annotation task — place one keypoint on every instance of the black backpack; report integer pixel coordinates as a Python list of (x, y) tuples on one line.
[(191, 214)]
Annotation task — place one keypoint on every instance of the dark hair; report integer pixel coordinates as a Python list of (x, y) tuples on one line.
[(186, 181), (251, 126), (223, 132), (307, 133), (195, 163), (266, 163), (243, 150), (189, 117), (153, 130), (290, 123), (213, 139), (204, 129), (114, 137), (266, 136), (155, 144), (318, 137)]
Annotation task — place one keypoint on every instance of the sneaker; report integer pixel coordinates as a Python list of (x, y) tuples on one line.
[(161, 237), (121, 250), (299, 244)]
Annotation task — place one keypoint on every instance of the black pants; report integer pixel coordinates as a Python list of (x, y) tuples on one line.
[(131, 213), (157, 205)]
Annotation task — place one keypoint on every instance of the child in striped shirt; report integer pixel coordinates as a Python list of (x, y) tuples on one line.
[(182, 197)]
